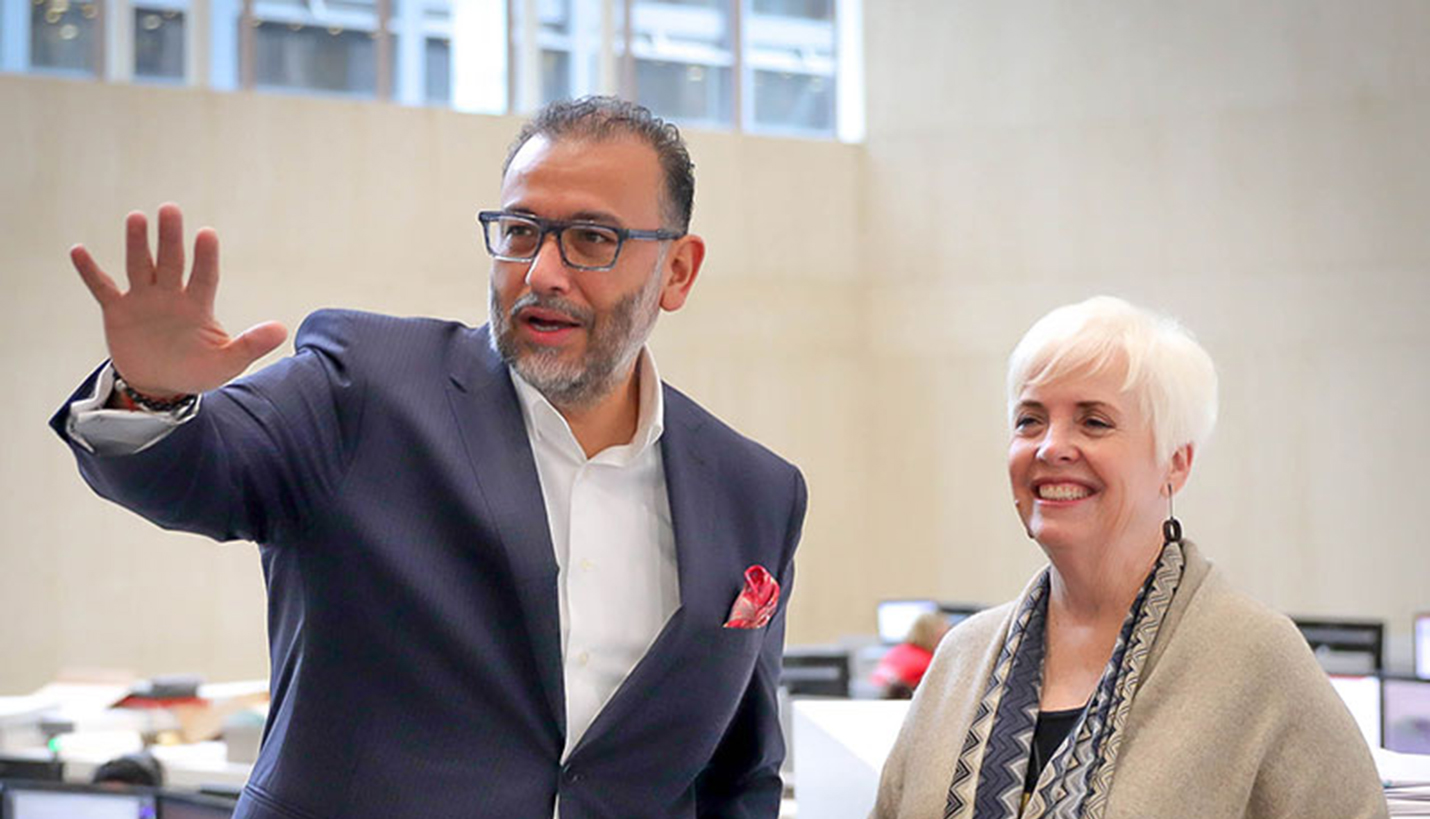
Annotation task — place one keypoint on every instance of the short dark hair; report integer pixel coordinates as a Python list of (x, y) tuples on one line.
[(601, 118)]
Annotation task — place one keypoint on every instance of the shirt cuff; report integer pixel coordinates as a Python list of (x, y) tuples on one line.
[(111, 432)]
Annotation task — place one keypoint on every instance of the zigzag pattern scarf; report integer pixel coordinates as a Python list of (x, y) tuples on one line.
[(988, 779)]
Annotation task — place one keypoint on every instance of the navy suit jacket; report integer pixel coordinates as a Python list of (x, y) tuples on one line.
[(385, 472)]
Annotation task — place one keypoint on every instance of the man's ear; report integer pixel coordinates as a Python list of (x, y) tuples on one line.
[(1180, 467), (683, 261)]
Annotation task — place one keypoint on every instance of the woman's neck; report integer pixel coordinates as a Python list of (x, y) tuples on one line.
[(1091, 586), (1089, 596)]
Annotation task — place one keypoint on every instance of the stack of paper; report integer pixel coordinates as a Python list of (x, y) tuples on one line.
[(26, 721), (20, 722), (1407, 781)]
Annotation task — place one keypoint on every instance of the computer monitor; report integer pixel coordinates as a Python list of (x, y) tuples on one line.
[(35, 769), (193, 806), (1422, 645), (1361, 695), (1348, 647), (812, 671), (1407, 715), (897, 616), (958, 612), (33, 800)]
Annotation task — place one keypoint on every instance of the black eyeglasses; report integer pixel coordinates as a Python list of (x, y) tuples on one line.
[(515, 237)]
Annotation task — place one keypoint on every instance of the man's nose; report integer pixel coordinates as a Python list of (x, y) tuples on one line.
[(548, 272)]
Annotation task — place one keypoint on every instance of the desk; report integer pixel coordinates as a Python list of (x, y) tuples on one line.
[(186, 767), (839, 752), (104, 733)]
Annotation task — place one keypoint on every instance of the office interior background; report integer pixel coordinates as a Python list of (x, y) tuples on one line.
[(891, 194)]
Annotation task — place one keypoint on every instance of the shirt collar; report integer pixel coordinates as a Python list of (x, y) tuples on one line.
[(545, 423)]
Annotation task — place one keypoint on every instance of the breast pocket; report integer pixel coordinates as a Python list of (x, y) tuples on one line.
[(737, 643)]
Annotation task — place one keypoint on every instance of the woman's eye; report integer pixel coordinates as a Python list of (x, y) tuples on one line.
[(1024, 422), (1098, 423)]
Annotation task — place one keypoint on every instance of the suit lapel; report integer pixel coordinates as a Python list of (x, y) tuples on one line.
[(689, 479), (499, 451), (688, 476)]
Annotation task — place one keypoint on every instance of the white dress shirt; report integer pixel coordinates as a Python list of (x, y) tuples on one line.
[(609, 517), (615, 546), (117, 431)]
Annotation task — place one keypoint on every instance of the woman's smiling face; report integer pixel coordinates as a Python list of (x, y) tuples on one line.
[(1083, 465)]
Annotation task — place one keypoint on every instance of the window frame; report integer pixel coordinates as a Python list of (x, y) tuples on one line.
[(603, 52)]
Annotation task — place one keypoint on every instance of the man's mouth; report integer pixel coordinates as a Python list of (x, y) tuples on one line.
[(543, 326), (543, 320)]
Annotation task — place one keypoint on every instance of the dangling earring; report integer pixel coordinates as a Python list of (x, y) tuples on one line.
[(1171, 527)]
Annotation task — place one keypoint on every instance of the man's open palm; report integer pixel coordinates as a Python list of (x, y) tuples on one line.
[(162, 334)]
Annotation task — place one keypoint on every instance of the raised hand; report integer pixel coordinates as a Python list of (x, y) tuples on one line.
[(162, 334)]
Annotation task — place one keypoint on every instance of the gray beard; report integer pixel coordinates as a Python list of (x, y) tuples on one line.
[(613, 343)]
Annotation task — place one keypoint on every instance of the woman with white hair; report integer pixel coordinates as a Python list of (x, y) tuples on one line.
[(1128, 679)]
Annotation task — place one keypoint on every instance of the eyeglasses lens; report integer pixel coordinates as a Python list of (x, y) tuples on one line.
[(585, 245), (513, 237), (590, 246)]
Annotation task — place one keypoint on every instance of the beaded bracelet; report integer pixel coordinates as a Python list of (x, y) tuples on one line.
[(178, 402)]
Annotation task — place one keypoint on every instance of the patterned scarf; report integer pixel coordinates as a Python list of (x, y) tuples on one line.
[(988, 780)]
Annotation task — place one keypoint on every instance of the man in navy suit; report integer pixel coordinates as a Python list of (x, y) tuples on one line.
[(503, 563)]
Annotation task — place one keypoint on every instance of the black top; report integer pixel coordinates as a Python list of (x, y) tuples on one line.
[(1051, 730)]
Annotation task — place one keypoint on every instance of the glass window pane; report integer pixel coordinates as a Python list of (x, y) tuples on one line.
[(296, 56), (664, 28), (794, 101), (158, 44), (62, 36), (684, 58), (555, 15), (568, 45), (808, 9), (438, 71), (706, 4), (357, 6), (785, 42), (480, 32), (789, 53), (684, 91), (432, 11), (422, 52), (555, 75), (435, 11)]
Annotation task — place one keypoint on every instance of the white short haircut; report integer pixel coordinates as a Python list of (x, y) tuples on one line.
[(1167, 371)]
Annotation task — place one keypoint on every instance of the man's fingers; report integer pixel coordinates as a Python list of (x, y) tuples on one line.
[(100, 285), (254, 343), (203, 283), (138, 264), (169, 267)]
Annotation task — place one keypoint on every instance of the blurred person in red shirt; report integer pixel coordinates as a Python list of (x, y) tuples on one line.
[(899, 672)]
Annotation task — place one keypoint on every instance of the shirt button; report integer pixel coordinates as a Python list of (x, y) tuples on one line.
[(587, 565), (583, 658)]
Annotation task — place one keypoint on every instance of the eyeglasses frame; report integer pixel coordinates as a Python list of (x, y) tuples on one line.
[(560, 226)]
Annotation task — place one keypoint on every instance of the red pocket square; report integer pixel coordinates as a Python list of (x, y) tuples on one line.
[(757, 601)]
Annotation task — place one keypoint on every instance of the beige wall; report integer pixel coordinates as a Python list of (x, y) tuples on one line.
[(320, 203), (1258, 171)]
